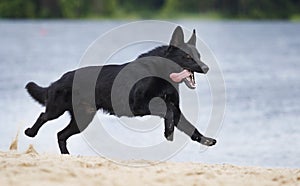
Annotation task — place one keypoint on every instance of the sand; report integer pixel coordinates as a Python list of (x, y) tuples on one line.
[(31, 168)]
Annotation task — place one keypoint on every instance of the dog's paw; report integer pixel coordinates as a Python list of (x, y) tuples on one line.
[(208, 141), (30, 133), (169, 137)]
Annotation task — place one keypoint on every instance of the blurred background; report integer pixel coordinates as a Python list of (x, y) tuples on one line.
[(256, 43), (217, 9)]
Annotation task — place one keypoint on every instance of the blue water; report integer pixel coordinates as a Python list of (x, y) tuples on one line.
[(260, 62)]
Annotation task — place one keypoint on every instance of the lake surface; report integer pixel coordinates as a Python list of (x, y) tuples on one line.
[(260, 62)]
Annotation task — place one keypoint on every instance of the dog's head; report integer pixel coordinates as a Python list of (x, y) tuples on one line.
[(187, 57)]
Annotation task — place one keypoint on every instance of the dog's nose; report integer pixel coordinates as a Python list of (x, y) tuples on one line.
[(204, 69)]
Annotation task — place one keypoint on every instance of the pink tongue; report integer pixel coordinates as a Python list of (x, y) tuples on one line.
[(178, 77)]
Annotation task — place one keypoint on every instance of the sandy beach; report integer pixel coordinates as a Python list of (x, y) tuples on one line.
[(31, 168)]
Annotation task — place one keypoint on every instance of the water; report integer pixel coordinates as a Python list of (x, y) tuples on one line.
[(259, 60)]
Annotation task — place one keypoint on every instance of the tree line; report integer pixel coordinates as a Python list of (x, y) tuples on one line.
[(252, 9)]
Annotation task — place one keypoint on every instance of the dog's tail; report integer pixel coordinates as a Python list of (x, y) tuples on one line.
[(36, 92)]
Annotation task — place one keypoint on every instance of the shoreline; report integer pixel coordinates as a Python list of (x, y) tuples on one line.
[(31, 168)]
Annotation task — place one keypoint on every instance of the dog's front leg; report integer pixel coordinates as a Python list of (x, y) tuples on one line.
[(174, 117), (185, 126), (169, 125), (171, 119)]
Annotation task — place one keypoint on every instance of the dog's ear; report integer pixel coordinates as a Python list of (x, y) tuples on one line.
[(177, 37), (193, 39)]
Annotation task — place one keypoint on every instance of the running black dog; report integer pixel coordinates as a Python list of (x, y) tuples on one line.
[(125, 90)]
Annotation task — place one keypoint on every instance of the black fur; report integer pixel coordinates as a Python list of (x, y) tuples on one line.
[(38, 93), (77, 99)]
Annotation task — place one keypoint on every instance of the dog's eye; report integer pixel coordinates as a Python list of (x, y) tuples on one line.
[(188, 56)]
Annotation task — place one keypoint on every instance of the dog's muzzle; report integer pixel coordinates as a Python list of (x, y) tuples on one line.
[(186, 76)]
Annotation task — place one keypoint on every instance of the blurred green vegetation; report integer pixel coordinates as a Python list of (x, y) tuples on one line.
[(214, 9)]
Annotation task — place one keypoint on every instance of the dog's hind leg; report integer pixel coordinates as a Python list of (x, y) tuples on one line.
[(67, 132), (42, 119), (71, 129), (52, 112)]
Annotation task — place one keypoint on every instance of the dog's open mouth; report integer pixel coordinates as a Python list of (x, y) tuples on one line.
[(187, 76)]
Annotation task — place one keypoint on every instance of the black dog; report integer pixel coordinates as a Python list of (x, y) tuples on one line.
[(125, 90)]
